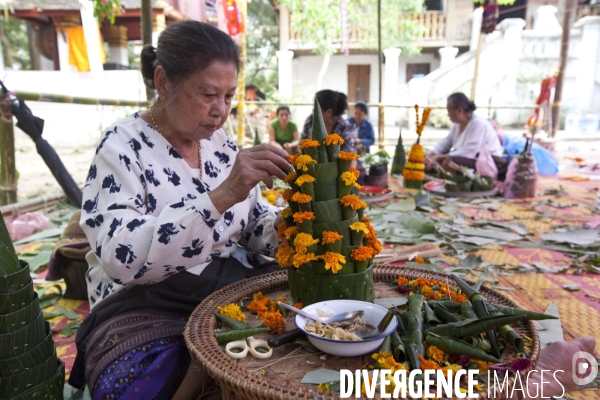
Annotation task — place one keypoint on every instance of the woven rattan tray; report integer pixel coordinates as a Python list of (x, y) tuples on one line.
[(285, 369)]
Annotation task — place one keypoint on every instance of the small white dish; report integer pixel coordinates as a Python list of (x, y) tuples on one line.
[(347, 348)]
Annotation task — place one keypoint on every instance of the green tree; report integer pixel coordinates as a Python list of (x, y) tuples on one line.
[(15, 43)]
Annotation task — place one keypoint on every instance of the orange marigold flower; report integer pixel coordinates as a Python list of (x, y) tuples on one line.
[(298, 305), (301, 198), (459, 298), (302, 216), (362, 253), (287, 194), (303, 241), (412, 175), (286, 212), (333, 260), (281, 299), (292, 158), (274, 321), (376, 245), (334, 138), (259, 305), (366, 220), (285, 255), (435, 353), (419, 260), (481, 365), (402, 281), (303, 258), (290, 231), (355, 172), (347, 156), (352, 201), (306, 143), (330, 237), (356, 185), (420, 282), (302, 162), (280, 230), (427, 364), (363, 390), (304, 178), (348, 177), (359, 227), (291, 177)]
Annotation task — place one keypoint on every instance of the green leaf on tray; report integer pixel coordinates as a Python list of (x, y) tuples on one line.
[(406, 204), (490, 233), (67, 313), (426, 266), (70, 329), (449, 209), (47, 235), (39, 260), (470, 262), (321, 375), (580, 237), (417, 222)]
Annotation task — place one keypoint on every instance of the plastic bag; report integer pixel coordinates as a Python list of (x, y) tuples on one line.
[(485, 165), (521, 178), (546, 163), (27, 224)]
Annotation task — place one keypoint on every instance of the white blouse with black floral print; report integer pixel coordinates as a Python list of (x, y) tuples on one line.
[(147, 215)]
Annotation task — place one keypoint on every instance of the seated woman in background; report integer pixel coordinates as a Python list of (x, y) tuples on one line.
[(283, 133), (333, 106), (364, 127), (469, 134)]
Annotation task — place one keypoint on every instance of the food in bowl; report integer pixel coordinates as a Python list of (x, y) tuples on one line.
[(333, 332)]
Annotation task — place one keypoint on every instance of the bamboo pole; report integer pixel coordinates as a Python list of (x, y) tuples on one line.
[(476, 69), (8, 172), (564, 57), (240, 94), (146, 27), (59, 98), (380, 60)]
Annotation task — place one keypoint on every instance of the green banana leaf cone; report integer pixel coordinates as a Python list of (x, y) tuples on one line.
[(343, 189), (308, 188), (313, 152), (413, 184), (333, 150)]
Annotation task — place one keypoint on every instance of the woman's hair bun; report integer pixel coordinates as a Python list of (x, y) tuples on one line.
[(472, 106), (148, 61)]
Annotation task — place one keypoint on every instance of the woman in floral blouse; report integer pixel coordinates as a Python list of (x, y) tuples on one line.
[(173, 212)]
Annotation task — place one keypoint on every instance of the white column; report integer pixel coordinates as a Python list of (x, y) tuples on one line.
[(545, 20), (447, 55), (284, 27), (92, 38), (512, 51), (284, 58), (390, 91), (476, 20), (588, 73)]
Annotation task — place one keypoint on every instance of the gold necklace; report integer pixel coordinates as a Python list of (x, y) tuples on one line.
[(160, 133)]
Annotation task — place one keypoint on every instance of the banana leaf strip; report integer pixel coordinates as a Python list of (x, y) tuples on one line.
[(401, 323), (531, 316), (412, 353), (386, 345), (414, 321), (230, 322), (472, 328), (477, 285), (328, 211), (479, 343), (467, 311), (341, 227), (430, 316), (16, 281), (398, 348), (237, 334), (457, 346), (445, 315), (510, 335), (450, 305)]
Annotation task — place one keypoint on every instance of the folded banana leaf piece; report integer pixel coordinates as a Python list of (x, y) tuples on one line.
[(509, 334), (445, 315), (398, 350), (430, 316), (467, 311), (474, 327), (414, 321), (457, 346), (450, 305), (531, 316), (479, 343)]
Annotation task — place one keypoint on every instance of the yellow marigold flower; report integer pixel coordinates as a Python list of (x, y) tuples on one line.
[(303, 241), (334, 138), (302, 162), (355, 172), (304, 178), (291, 177), (303, 258), (287, 194), (333, 260), (402, 281), (419, 260), (435, 353), (290, 231), (280, 230), (362, 253), (347, 156), (302, 216), (330, 237), (285, 255), (306, 143), (232, 311), (386, 361), (274, 321), (356, 185), (415, 166), (301, 198), (323, 387), (348, 177), (292, 158), (352, 201), (359, 227), (286, 212)]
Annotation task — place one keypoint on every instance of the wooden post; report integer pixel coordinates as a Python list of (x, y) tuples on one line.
[(146, 24), (564, 58), (8, 172), (381, 124), (476, 69)]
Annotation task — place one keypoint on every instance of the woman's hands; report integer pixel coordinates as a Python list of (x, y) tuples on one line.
[(253, 165)]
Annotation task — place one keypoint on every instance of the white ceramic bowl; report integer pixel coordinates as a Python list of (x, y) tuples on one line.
[(347, 348)]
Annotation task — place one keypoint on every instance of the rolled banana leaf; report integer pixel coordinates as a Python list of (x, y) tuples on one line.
[(531, 316), (412, 353), (398, 350), (478, 302), (510, 335), (430, 316), (445, 315), (230, 322), (473, 328), (237, 334), (386, 345), (401, 323), (467, 311), (450, 305), (477, 285), (479, 343), (319, 132), (414, 321), (457, 346)]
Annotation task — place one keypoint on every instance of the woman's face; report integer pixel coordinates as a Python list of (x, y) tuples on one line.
[(284, 117), (201, 104), (328, 116), (456, 115), (359, 115)]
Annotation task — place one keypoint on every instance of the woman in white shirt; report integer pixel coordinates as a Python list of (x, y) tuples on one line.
[(469, 134), (173, 212)]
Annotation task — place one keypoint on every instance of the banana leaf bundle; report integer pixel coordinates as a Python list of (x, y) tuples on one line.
[(29, 367), (328, 246), (464, 180)]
